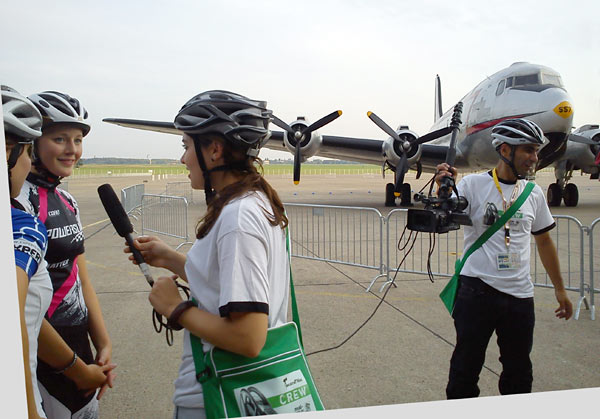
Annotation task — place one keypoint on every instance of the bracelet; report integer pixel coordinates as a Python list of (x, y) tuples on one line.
[(173, 321), (68, 366)]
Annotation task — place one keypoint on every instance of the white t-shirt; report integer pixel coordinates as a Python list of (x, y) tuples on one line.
[(533, 217), (241, 265)]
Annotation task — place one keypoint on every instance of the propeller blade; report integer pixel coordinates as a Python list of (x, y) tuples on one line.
[(297, 164), (282, 125), (321, 122), (432, 135), (581, 139), (400, 172), (385, 127)]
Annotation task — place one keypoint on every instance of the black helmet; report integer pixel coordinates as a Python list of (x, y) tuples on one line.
[(60, 108), (517, 131), (241, 121), (21, 117)]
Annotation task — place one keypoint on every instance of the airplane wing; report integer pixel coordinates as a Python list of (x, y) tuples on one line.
[(344, 148)]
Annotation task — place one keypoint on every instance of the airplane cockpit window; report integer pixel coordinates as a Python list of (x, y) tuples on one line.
[(552, 79), (527, 80), (500, 88), (509, 82)]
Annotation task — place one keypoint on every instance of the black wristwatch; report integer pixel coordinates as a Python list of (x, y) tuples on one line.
[(173, 321)]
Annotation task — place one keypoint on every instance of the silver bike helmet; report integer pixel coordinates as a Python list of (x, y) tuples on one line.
[(516, 132), (243, 122), (60, 108), (21, 117)]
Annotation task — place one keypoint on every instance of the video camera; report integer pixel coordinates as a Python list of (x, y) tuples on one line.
[(444, 212)]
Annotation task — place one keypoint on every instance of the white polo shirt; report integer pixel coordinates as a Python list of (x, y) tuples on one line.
[(533, 217)]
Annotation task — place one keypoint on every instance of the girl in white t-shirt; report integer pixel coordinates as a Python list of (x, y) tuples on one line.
[(237, 269)]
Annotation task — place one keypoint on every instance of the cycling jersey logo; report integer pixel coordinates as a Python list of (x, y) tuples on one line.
[(53, 213), (61, 232)]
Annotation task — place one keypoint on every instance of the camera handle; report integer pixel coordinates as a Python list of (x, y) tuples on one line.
[(447, 184)]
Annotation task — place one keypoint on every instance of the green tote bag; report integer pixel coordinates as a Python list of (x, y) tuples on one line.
[(278, 380)]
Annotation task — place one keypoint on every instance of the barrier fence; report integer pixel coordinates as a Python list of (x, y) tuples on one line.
[(181, 189), (594, 260), (131, 198), (346, 235), (166, 215), (363, 237)]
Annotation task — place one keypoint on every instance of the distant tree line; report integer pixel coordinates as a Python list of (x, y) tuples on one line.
[(116, 160)]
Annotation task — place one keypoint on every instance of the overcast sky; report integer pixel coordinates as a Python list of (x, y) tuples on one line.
[(144, 59)]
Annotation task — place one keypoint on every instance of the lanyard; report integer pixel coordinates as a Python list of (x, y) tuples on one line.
[(506, 205)]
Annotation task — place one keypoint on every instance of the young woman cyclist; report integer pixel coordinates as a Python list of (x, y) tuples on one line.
[(74, 311), (237, 269), (22, 123)]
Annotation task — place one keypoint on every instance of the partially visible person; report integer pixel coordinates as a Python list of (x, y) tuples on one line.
[(495, 291), (23, 123), (74, 311)]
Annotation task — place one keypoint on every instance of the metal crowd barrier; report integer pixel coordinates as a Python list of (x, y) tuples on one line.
[(180, 189), (341, 235), (594, 258), (568, 237), (364, 238), (166, 215), (346, 235), (131, 199)]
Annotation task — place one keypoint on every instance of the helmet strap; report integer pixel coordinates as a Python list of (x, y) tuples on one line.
[(209, 192), (15, 153), (511, 162)]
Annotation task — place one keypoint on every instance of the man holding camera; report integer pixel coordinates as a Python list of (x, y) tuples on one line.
[(495, 291)]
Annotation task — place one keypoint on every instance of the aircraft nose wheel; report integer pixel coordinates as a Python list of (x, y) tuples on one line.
[(390, 199), (571, 195), (554, 195)]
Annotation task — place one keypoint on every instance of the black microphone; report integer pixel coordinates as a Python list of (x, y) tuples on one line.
[(120, 221)]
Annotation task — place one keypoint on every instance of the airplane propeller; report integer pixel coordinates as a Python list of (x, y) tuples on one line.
[(405, 145), (300, 134)]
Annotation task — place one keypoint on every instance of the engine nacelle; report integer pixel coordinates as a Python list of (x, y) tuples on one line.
[(393, 149), (309, 146)]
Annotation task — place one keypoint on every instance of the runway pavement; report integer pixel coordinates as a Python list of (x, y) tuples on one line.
[(400, 356)]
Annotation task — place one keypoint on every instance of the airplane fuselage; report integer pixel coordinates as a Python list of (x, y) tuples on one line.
[(534, 92)]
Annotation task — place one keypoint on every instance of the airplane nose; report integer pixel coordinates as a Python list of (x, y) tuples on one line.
[(558, 116)]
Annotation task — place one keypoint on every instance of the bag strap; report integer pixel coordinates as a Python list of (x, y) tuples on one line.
[(196, 342), (496, 226), (295, 315)]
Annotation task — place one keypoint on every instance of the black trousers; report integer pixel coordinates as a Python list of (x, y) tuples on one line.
[(479, 311)]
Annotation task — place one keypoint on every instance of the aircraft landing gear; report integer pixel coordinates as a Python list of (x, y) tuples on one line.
[(571, 195), (405, 198), (390, 199), (554, 195)]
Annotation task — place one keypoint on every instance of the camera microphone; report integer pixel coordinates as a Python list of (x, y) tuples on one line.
[(124, 228)]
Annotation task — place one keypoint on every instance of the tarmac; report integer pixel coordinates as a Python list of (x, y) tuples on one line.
[(402, 353)]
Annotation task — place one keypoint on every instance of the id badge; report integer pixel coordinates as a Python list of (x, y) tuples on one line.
[(506, 261)]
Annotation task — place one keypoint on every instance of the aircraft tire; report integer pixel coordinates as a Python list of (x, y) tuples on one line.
[(571, 195), (390, 199), (554, 195), (405, 200)]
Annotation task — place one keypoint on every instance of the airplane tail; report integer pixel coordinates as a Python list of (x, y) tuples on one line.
[(437, 111)]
